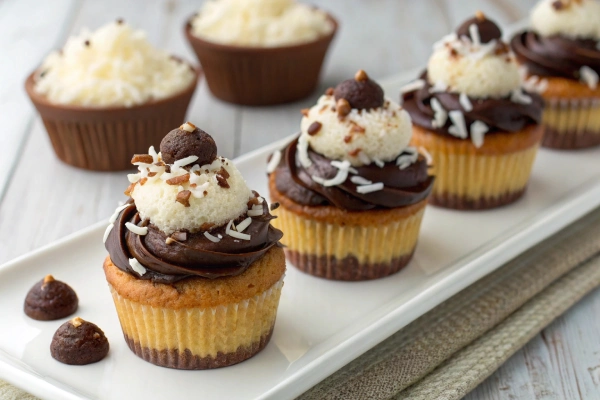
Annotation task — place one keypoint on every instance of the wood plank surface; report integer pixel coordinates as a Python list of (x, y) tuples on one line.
[(42, 200)]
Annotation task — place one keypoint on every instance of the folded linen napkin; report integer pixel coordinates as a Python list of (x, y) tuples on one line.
[(511, 304)]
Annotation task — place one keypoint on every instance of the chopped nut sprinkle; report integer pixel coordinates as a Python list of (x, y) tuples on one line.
[(360, 76), (183, 197), (179, 179), (329, 91), (314, 128), (76, 322), (129, 189), (343, 107), (143, 158), (305, 112)]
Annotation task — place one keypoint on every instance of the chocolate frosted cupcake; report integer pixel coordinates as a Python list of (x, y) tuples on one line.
[(470, 112), (561, 59), (195, 267), (108, 94), (351, 191)]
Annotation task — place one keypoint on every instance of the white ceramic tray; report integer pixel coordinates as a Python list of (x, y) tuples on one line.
[(321, 325)]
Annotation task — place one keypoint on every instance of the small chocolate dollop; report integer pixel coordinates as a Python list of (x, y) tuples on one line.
[(50, 299), (361, 92), (79, 342), (488, 29), (188, 140)]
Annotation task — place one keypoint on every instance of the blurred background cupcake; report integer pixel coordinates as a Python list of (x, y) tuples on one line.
[(260, 52), (108, 94), (352, 193), (561, 58), (470, 112)]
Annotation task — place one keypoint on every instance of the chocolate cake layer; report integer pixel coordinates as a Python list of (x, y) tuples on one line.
[(186, 360), (346, 269), (463, 203)]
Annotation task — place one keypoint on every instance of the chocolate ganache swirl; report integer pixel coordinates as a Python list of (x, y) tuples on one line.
[(195, 250), (402, 187), (499, 114), (189, 254), (555, 55)]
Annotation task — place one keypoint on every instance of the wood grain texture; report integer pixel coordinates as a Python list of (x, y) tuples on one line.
[(42, 199)]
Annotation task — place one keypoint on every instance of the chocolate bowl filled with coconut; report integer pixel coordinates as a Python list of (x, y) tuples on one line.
[(109, 94), (352, 192), (471, 113), (195, 267)]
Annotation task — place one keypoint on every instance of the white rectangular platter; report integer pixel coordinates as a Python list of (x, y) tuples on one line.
[(321, 325)]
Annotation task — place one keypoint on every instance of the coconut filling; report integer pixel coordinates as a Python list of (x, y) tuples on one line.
[(359, 138), (112, 66), (190, 199), (569, 18)]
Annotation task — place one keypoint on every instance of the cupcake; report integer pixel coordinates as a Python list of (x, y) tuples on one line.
[(560, 56), (260, 52), (109, 94), (472, 115), (195, 268), (351, 192)]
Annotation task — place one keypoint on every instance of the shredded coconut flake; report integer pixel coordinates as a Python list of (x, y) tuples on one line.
[(374, 187), (459, 127), (212, 238), (241, 227), (133, 178), (438, 87), (239, 235), (274, 162), (154, 154), (184, 161), (255, 213), (427, 155), (377, 162), (589, 76), (517, 96), (440, 116), (303, 157), (136, 266), (107, 232), (115, 215), (359, 180), (465, 102), (478, 130), (474, 32), (412, 86), (138, 230)]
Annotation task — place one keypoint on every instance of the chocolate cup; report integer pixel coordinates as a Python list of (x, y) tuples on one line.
[(105, 138), (258, 76)]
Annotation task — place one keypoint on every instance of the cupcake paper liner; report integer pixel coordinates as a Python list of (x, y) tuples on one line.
[(470, 179), (571, 123), (349, 252), (199, 338), (104, 139), (261, 75)]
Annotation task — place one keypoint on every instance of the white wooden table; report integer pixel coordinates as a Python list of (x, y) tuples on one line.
[(42, 200)]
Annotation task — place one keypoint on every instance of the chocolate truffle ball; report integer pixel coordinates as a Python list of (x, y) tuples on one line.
[(50, 299), (488, 30), (188, 140), (79, 342), (361, 92)]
